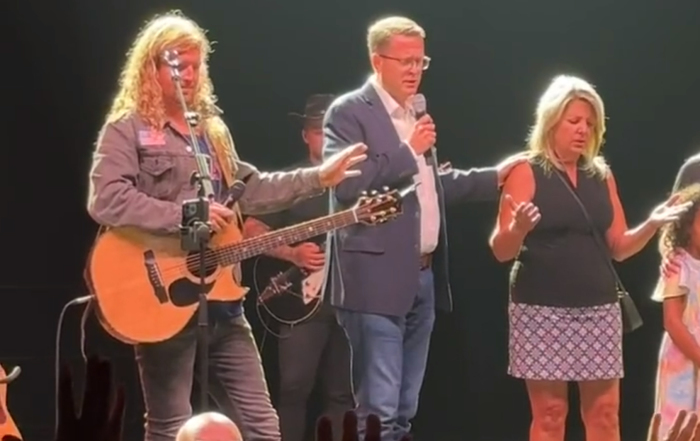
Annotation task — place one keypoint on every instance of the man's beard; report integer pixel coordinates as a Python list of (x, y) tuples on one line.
[(173, 103)]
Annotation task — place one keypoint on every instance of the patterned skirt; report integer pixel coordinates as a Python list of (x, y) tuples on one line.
[(565, 344)]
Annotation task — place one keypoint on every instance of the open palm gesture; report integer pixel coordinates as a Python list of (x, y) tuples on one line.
[(337, 168), (669, 211), (525, 214)]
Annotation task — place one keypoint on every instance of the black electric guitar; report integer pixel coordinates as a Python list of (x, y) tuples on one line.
[(291, 295), (286, 293)]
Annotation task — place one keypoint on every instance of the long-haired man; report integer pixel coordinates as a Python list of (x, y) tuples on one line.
[(140, 176)]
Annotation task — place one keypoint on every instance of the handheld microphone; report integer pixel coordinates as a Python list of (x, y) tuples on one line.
[(420, 107)]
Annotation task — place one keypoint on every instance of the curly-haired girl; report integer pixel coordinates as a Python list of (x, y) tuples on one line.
[(677, 381)]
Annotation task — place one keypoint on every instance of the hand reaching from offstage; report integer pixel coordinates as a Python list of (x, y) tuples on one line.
[(683, 429), (102, 412)]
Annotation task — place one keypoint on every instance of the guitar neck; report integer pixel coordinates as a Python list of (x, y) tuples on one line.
[(255, 246)]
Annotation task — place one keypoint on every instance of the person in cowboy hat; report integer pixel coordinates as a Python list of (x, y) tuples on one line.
[(316, 346), (312, 119)]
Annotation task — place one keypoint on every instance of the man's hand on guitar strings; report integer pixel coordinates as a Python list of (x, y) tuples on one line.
[(308, 256), (219, 216)]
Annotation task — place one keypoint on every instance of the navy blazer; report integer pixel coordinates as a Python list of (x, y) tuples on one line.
[(375, 268)]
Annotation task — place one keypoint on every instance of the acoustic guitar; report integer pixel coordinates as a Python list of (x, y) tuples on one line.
[(147, 288), (286, 293), (7, 424)]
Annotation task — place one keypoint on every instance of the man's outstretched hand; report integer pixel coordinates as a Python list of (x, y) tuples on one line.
[(102, 411), (324, 429), (338, 167)]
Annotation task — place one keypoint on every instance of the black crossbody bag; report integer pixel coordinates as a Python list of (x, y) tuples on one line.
[(631, 319)]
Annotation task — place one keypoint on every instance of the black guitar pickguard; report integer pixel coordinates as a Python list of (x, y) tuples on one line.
[(183, 292), (283, 300)]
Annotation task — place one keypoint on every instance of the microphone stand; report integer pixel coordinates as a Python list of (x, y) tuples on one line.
[(195, 232)]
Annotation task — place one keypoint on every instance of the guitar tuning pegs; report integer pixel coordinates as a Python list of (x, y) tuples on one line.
[(385, 189), (363, 193), (374, 193)]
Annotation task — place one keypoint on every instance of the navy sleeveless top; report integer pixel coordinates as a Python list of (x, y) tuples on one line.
[(560, 263)]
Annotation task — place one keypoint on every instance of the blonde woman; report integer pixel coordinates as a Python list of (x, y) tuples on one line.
[(141, 173), (565, 322)]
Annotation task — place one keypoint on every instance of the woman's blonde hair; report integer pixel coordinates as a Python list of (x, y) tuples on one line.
[(563, 90)]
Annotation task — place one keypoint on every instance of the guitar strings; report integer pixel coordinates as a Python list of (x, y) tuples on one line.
[(215, 255), (335, 221)]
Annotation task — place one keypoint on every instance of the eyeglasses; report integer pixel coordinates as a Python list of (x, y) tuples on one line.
[(409, 63)]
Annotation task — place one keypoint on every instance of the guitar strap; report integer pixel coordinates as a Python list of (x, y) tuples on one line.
[(331, 255)]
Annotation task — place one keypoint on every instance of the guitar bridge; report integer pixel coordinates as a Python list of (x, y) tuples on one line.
[(154, 276)]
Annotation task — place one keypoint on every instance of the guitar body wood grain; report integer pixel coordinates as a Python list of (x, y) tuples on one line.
[(147, 288), (144, 290)]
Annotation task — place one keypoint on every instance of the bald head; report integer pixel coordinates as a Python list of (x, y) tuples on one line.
[(209, 426)]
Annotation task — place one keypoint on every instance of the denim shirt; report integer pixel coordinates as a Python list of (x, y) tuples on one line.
[(140, 176)]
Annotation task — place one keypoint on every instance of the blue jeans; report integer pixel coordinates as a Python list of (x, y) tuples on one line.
[(389, 357)]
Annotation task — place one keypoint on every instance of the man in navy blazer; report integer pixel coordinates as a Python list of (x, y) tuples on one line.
[(387, 280)]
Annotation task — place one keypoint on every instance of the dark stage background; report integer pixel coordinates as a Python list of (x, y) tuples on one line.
[(491, 60)]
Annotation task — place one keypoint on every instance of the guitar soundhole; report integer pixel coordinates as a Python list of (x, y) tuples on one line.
[(210, 260)]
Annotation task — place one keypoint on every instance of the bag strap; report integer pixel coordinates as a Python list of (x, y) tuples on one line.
[(596, 234)]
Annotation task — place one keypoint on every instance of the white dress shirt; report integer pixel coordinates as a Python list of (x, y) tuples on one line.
[(404, 119)]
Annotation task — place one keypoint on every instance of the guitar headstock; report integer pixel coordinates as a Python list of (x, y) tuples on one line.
[(377, 208)]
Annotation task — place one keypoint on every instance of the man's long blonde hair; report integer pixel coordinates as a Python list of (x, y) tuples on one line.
[(563, 90), (139, 90)]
